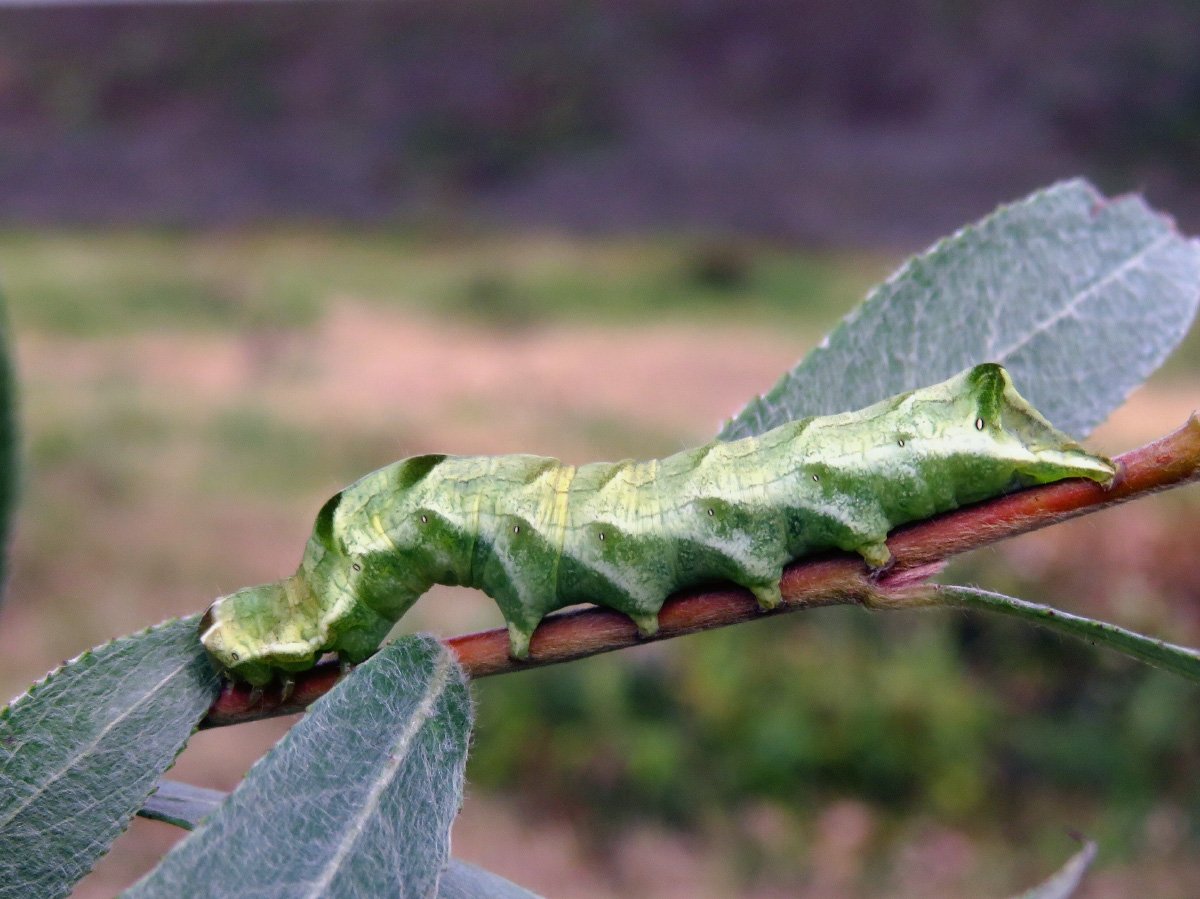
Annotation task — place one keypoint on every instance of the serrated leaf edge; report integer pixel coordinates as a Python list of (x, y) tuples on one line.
[(87, 654), (123, 821)]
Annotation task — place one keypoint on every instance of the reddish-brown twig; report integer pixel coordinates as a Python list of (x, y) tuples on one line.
[(918, 551)]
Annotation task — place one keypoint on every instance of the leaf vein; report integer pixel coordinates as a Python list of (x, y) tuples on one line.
[(354, 829), (1082, 296), (90, 746)]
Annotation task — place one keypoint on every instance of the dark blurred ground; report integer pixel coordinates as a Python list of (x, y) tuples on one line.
[(828, 122)]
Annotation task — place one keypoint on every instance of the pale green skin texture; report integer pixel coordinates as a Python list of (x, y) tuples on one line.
[(537, 535)]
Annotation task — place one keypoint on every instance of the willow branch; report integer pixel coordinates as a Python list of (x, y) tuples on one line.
[(919, 550)]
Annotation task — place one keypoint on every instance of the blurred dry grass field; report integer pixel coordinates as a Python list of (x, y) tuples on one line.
[(188, 403)]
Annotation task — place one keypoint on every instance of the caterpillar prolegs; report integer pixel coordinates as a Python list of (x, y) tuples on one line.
[(537, 535)]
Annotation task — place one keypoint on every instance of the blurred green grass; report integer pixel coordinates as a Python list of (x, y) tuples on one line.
[(93, 283), (96, 283)]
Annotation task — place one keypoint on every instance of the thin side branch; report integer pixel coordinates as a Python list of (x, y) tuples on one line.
[(919, 550)]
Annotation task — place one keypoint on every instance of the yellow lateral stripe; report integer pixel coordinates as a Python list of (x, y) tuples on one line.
[(561, 512), (472, 524), (382, 533), (562, 492)]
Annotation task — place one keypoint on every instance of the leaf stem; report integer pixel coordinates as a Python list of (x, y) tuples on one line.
[(1181, 660), (919, 550)]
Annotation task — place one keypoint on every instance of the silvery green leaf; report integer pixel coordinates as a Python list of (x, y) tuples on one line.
[(356, 800), (1066, 880), (463, 881), (1080, 297), (186, 806), (181, 804), (81, 751)]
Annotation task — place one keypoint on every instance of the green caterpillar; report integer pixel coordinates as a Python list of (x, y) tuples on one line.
[(537, 535)]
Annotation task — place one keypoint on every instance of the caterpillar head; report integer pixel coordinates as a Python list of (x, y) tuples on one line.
[(1039, 451), (249, 636), (259, 633)]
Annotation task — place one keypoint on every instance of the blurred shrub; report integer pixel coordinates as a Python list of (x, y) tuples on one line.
[(721, 266), (767, 711), (949, 715)]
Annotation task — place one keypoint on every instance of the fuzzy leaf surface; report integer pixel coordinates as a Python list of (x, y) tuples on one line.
[(186, 806), (83, 748), (356, 801), (1080, 297)]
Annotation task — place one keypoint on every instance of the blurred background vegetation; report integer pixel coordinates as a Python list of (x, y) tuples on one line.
[(252, 252)]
